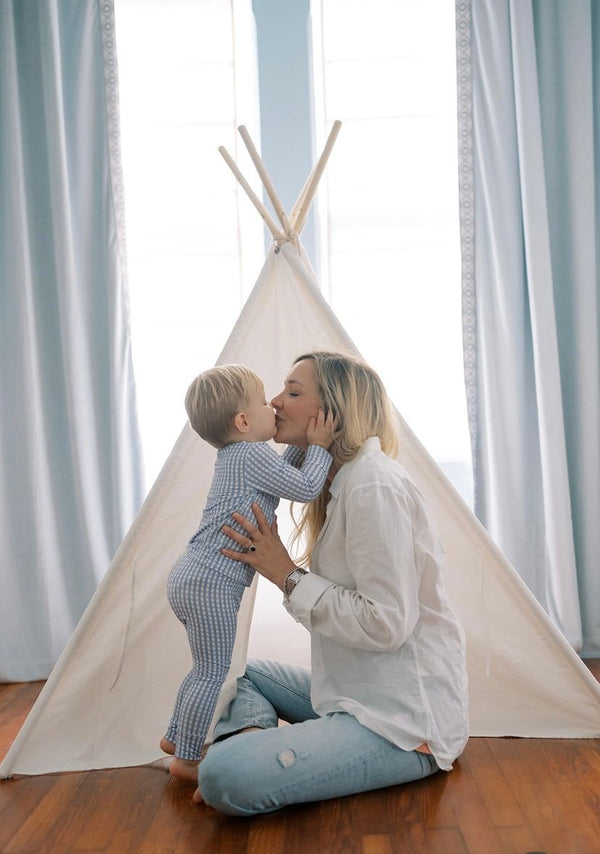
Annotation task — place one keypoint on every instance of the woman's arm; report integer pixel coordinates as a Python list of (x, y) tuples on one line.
[(374, 603)]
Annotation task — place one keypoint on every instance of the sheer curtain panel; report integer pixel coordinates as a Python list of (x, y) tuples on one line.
[(532, 319), (70, 478)]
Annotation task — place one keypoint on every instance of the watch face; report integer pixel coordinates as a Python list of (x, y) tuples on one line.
[(292, 579)]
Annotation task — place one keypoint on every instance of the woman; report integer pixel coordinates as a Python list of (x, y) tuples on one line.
[(385, 701)]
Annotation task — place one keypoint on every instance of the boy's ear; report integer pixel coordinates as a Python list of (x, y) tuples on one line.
[(241, 423)]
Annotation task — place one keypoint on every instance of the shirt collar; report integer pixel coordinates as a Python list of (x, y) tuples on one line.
[(371, 446)]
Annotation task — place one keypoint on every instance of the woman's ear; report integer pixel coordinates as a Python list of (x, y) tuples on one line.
[(241, 423)]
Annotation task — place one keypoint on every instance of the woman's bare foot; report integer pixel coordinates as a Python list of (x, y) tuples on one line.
[(167, 746), (184, 769)]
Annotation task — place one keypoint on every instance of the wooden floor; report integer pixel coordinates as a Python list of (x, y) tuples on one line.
[(504, 795)]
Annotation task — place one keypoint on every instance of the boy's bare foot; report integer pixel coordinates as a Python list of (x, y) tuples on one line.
[(197, 797), (167, 746), (184, 769)]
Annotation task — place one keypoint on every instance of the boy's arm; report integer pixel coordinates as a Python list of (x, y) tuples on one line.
[(271, 472), (294, 456)]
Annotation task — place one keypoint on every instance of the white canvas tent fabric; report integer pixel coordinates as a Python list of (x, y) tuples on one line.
[(109, 698)]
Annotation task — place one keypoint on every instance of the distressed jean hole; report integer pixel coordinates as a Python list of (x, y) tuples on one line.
[(286, 758)]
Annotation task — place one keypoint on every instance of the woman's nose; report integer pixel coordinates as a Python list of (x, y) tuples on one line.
[(276, 402)]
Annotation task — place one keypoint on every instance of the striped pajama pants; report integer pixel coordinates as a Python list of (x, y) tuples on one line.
[(207, 603)]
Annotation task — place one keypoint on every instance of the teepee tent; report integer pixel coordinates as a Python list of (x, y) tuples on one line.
[(110, 695)]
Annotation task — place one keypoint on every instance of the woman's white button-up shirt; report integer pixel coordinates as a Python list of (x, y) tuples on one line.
[(385, 646)]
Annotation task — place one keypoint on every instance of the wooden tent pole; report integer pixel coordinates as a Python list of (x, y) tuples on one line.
[(311, 189), (264, 176), (300, 200), (269, 222)]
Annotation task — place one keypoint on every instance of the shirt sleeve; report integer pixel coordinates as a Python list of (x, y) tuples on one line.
[(271, 472), (294, 456), (378, 608)]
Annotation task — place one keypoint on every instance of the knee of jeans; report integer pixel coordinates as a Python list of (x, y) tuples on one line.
[(221, 785), (256, 665)]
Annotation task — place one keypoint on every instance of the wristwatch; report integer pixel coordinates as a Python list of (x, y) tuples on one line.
[(291, 579)]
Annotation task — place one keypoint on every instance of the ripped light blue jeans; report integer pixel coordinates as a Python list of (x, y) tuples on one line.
[(314, 759)]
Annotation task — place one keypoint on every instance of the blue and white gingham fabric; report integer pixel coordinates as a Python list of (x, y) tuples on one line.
[(207, 604), (205, 588), (248, 472)]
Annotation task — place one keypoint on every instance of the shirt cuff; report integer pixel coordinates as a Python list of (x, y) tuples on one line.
[(305, 596)]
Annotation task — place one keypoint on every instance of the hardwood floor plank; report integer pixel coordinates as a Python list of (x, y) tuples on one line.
[(445, 840), (410, 837), (589, 750), (180, 825), (409, 804), (408, 815), (161, 815), (509, 796), (18, 800), (9, 692), (267, 835), (298, 824), (49, 826), (16, 700), (117, 806), (329, 825), (377, 844), (550, 793), (500, 802), (337, 831), (517, 840), (472, 818), (439, 810), (372, 811)]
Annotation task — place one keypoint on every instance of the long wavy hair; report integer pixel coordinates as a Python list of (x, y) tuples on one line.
[(355, 394)]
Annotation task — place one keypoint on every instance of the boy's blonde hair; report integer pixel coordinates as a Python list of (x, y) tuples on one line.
[(216, 396), (355, 394)]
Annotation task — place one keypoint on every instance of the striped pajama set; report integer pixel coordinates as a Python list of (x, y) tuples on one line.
[(205, 588)]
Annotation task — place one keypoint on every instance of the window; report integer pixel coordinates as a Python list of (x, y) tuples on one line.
[(387, 228), (187, 78), (389, 206)]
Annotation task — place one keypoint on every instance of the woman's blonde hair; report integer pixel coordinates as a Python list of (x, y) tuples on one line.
[(216, 396), (355, 394)]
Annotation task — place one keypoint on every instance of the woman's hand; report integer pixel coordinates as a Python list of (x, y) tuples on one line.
[(265, 551)]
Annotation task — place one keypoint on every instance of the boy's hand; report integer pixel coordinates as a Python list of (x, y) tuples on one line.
[(321, 430)]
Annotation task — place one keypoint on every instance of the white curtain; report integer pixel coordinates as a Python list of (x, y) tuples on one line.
[(529, 77), (70, 479)]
